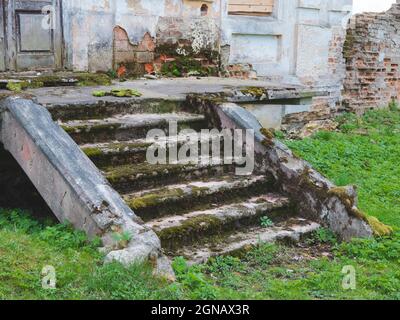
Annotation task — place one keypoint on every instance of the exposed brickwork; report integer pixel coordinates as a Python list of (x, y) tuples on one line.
[(240, 71), (182, 46), (372, 53), (133, 57)]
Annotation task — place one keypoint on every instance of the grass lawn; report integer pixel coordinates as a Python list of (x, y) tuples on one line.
[(365, 152)]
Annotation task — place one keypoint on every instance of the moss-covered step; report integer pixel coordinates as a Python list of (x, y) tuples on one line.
[(135, 177), (19, 82), (117, 153), (196, 195), (197, 226), (134, 151), (130, 126), (238, 243), (101, 108)]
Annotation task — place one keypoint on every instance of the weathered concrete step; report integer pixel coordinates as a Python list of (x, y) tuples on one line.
[(292, 230), (134, 151), (182, 198), (135, 177), (127, 127), (198, 226), (113, 106)]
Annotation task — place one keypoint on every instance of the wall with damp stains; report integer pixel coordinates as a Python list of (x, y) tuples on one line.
[(300, 42)]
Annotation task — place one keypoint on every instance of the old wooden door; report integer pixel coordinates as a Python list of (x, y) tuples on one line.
[(33, 34)]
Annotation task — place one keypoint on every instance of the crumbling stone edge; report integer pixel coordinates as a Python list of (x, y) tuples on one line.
[(315, 196), (73, 187)]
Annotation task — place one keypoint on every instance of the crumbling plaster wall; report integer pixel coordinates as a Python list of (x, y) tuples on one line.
[(372, 53), (89, 26), (291, 44), (300, 42)]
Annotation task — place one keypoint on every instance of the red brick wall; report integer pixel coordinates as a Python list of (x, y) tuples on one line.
[(372, 53), (134, 57)]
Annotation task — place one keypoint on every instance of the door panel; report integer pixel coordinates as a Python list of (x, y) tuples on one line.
[(31, 36), (2, 38), (34, 34)]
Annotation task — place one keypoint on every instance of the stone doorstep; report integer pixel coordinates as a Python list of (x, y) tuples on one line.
[(135, 177), (131, 172), (171, 89), (64, 80), (118, 147), (199, 225), (135, 151), (292, 231), (225, 213), (181, 198), (211, 186), (127, 127), (133, 120)]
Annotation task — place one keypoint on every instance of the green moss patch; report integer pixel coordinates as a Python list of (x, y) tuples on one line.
[(187, 66), (190, 228), (18, 87), (378, 227), (81, 79), (153, 199), (269, 137), (99, 93), (120, 93), (256, 92), (93, 152), (92, 79)]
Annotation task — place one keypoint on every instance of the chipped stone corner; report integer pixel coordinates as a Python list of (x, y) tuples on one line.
[(73, 187)]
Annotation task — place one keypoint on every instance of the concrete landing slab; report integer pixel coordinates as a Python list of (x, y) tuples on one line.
[(166, 88)]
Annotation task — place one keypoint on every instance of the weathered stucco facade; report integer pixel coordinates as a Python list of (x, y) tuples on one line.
[(297, 41)]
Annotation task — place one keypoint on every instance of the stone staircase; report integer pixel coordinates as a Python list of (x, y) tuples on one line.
[(198, 210)]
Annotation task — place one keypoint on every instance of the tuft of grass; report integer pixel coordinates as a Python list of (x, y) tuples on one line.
[(266, 222), (27, 246)]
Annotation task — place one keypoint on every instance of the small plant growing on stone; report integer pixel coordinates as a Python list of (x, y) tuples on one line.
[(324, 236), (99, 93), (112, 74), (393, 105), (279, 134), (122, 239), (266, 222)]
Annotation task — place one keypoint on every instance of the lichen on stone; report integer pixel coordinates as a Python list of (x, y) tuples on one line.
[(153, 199), (269, 137), (256, 92), (121, 93), (92, 79), (379, 229), (93, 152), (342, 194), (17, 87), (189, 227), (81, 78)]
